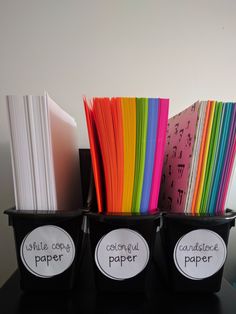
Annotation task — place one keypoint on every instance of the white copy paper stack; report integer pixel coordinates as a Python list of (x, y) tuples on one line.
[(44, 151)]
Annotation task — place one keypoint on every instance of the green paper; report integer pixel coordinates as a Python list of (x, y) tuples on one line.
[(211, 157), (216, 154), (141, 138), (221, 157)]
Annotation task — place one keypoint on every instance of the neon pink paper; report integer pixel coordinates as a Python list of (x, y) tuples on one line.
[(159, 153)]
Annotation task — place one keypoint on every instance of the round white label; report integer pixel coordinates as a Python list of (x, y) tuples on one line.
[(121, 254), (47, 251), (199, 254)]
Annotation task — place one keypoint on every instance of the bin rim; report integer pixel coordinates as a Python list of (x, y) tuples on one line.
[(229, 214), (122, 215), (13, 212)]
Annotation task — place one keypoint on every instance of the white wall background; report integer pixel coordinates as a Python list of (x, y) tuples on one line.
[(184, 50)]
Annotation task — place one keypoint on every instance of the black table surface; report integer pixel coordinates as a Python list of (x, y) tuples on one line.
[(13, 300)]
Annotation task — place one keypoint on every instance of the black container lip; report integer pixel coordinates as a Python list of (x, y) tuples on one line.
[(34, 214), (122, 215), (228, 215)]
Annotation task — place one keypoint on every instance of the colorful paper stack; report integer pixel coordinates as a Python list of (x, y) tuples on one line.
[(199, 158), (127, 138)]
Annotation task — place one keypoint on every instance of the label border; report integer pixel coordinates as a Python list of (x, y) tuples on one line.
[(97, 248), (176, 260), (26, 264)]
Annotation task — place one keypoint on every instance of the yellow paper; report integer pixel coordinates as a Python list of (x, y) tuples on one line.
[(129, 127)]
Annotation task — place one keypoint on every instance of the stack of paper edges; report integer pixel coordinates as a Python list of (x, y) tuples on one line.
[(44, 152), (199, 158), (127, 137)]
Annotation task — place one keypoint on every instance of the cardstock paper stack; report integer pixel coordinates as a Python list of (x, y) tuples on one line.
[(199, 158), (127, 138), (44, 151)]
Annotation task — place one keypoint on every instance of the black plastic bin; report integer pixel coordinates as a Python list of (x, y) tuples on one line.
[(48, 248), (194, 249), (122, 247)]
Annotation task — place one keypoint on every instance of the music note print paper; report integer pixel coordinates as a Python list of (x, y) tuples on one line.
[(181, 137)]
